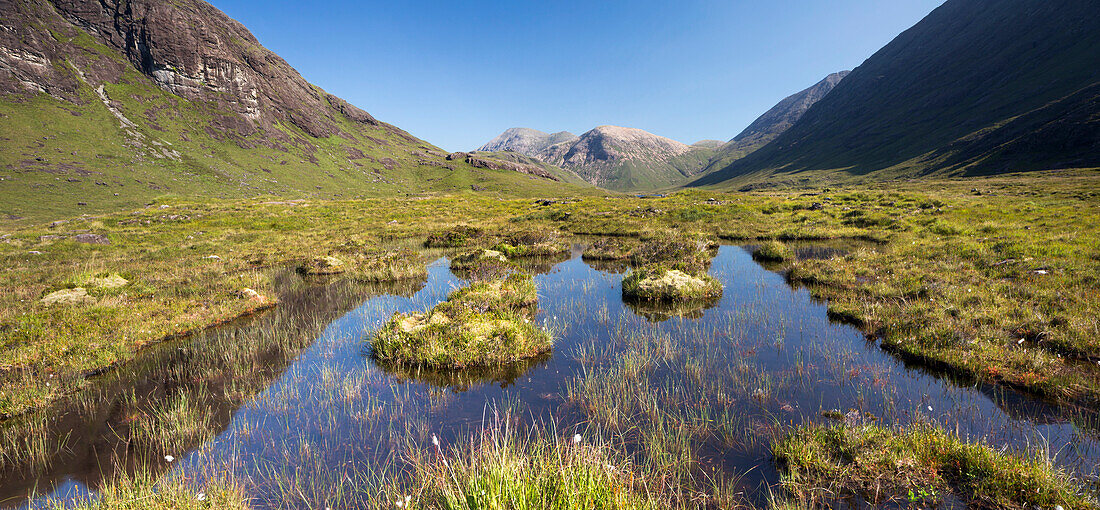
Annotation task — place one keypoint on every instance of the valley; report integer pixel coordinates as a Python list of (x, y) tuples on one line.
[(225, 287)]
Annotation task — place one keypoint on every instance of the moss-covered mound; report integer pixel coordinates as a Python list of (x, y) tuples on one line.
[(389, 266), (918, 466), (323, 266), (514, 292), (480, 325), (659, 283), (610, 248), (482, 265), (454, 237), (460, 338), (773, 251), (685, 253), (476, 258), (541, 243)]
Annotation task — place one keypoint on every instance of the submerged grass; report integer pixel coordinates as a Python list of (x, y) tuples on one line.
[(917, 466), (508, 468), (144, 491)]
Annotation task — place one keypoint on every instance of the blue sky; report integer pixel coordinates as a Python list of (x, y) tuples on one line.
[(457, 73)]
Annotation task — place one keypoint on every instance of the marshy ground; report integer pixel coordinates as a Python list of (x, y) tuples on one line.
[(951, 326)]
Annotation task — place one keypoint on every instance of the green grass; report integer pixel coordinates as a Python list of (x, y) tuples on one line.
[(144, 491), (773, 251), (485, 324), (663, 284), (917, 466), (952, 279), (508, 469)]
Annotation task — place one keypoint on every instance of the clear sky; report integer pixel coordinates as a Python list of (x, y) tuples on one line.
[(457, 73)]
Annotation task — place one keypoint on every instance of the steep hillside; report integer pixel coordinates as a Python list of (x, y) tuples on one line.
[(612, 157), (977, 87), (110, 104)]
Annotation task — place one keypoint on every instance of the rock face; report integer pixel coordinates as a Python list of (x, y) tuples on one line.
[(153, 97), (187, 47), (612, 157), (976, 87), (784, 114)]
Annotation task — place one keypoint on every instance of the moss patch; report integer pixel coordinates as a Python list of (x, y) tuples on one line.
[(480, 325), (773, 251), (916, 466), (665, 284)]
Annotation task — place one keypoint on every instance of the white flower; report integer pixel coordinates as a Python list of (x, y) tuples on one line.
[(435, 440), (399, 504), (929, 408), (200, 496), (576, 438), (169, 458)]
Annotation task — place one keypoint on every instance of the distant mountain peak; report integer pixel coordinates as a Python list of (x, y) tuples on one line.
[(614, 157)]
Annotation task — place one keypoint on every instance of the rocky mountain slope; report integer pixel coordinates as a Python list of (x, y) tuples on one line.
[(977, 87), (612, 157), (774, 122), (112, 103), (526, 141)]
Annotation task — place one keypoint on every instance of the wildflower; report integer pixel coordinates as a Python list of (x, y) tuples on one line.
[(169, 458), (929, 408), (435, 440), (200, 496), (576, 438)]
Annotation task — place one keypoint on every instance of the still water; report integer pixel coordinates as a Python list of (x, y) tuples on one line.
[(293, 403)]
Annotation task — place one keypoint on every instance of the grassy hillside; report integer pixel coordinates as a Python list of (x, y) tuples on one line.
[(88, 144), (978, 87)]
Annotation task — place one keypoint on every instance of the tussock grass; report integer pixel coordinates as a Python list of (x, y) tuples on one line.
[(773, 251), (657, 283), (610, 248), (454, 237), (144, 491), (480, 325), (535, 243), (388, 266), (919, 465), (503, 467)]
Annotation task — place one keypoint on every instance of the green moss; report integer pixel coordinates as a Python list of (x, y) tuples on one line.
[(455, 237), (480, 325), (917, 465), (773, 251), (660, 283)]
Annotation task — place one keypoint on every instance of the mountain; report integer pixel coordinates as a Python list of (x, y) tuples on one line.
[(112, 103), (773, 122), (611, 157), (977, 87), (526, 141)]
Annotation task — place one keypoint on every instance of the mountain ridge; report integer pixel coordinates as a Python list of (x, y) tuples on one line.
[(975, 88), (115, 103), (612, 157)]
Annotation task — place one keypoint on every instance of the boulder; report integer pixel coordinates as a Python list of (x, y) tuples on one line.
[(91, 239)]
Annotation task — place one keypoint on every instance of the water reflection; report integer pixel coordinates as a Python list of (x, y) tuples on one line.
[(290, 402)]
